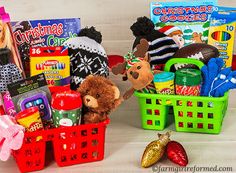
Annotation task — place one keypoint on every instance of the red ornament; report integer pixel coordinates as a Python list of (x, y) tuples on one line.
[(176, 153)]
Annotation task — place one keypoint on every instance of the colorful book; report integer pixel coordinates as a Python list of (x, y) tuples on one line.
[(186, 21), (42, 33)]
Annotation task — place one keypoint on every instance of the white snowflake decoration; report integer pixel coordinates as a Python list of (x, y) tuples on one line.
[(77, 79), (85, 65)]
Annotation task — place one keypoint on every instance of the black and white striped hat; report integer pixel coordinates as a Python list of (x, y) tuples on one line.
[(161, 47)]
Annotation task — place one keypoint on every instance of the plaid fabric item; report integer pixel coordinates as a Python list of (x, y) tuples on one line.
[(9, 73)]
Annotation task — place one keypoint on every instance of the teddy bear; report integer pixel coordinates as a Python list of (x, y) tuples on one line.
[(100, 96)]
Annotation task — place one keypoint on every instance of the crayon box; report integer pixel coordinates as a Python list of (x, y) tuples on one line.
[(54, 62), (222, 32)]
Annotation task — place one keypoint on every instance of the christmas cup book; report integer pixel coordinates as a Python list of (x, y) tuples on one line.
[(186, 22), (42, 33)]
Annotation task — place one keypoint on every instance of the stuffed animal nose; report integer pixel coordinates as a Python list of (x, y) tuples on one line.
[(135, 75), (87, 100)]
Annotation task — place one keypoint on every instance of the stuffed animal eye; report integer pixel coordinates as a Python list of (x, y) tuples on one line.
[(139, 67), (97, 96), (131, 72), (87, 91)]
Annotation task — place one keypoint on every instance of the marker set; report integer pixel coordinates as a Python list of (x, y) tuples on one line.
[(58, 66), (221, 36), (222, 31)]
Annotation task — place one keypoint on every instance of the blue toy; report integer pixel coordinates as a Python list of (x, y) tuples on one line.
[(229, 83), (217, 81), (210, 72)]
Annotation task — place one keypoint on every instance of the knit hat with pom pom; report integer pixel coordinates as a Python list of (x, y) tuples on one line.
[(87, 56), (161, 47)]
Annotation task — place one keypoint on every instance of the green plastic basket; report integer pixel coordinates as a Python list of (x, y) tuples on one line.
[(192, 113)]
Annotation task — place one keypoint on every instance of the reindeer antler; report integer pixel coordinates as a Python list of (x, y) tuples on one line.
[(140, 52), (119, 68), (141, 48)]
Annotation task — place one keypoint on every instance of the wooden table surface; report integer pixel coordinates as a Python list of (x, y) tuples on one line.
[(125, 139)]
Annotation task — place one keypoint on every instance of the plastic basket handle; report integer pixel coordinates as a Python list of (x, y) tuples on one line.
[(173, 61)]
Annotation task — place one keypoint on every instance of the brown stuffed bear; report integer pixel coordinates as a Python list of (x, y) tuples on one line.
[(100, 96)]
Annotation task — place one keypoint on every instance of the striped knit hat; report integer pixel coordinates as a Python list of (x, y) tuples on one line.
[(131, 59), (161, 47)]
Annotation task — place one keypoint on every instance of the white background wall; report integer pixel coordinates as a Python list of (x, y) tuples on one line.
[(112, 17)]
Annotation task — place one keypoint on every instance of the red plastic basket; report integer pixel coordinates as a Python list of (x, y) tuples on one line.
[(72, 145)]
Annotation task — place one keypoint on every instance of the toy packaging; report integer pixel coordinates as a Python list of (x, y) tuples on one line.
[(8, 104), (186, 22), (54, 62), (222, 32), (31, 92), (41, 33), (7, 40)]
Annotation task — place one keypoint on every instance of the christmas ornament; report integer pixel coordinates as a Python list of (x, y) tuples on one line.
[(176, 153), (155, 150)]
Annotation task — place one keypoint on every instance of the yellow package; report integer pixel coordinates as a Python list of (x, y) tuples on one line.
[(221, 34), (54, 62)]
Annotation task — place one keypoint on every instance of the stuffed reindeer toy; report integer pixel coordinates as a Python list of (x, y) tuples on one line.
[(137, 69)]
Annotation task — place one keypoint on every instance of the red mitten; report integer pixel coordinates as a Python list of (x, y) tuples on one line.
[(176, 153)]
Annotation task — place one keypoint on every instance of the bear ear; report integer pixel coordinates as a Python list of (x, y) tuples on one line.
[(89, 76), (116, 92)]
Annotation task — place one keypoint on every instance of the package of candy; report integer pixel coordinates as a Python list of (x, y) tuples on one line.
[(42, 33), (186, 22)]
